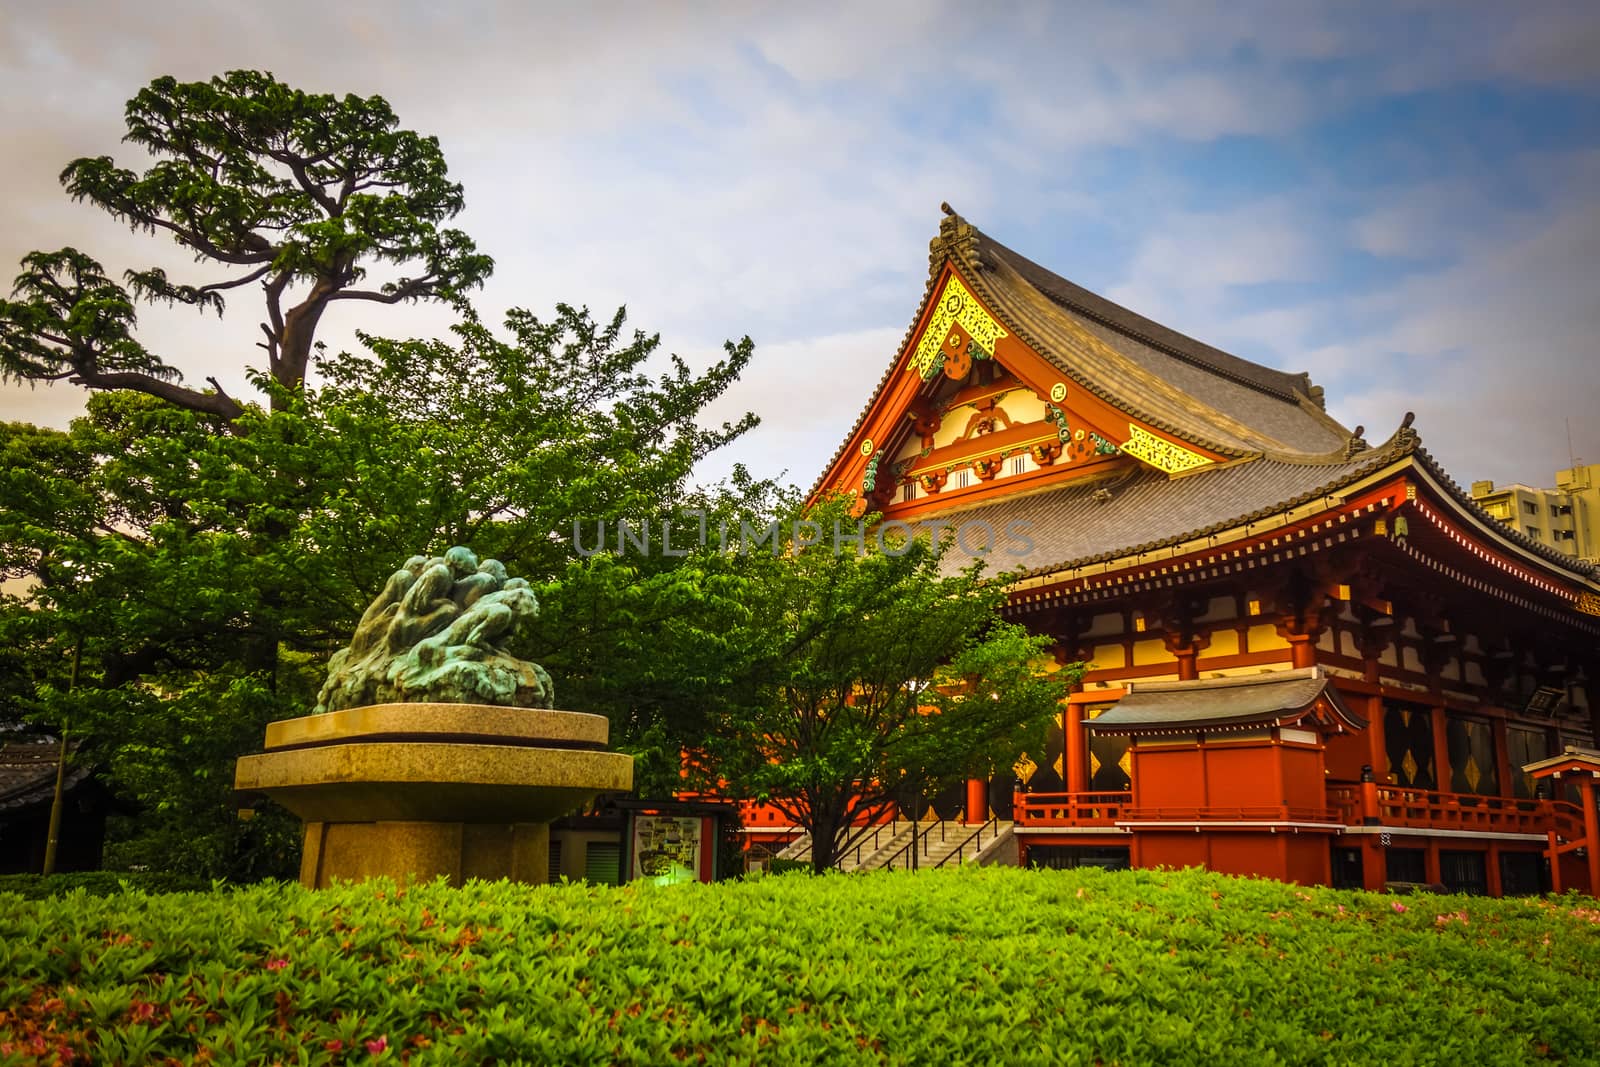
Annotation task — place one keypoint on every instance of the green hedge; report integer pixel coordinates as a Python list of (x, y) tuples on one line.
[(947, 967), (100, 883)]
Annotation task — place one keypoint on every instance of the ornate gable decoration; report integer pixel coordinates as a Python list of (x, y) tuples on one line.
[(956, 307), (1160, 453)]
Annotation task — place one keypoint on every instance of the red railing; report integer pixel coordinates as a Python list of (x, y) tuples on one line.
[(1260, 813), (1389, 806), (1069, 809), (1432, 810)]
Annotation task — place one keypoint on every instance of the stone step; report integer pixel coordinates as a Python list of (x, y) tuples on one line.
[(888, 846)]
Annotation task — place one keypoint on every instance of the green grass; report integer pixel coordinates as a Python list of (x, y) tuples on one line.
[(939, 967)]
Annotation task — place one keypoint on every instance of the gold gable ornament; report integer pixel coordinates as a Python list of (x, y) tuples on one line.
[(1160, 453), (1024, 768), (956, 307)]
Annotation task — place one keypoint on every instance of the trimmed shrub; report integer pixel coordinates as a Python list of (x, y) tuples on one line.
[(959, 966)]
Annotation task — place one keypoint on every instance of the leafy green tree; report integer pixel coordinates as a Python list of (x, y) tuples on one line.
[(299, 193), (210, 575), (867, 675)]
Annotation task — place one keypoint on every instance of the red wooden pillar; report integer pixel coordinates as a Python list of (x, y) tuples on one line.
[(1187, 670), (977, 801), (1491, 864), (1430, 863), (1302, 650), (1553, 850), (1502, 758), (1374, 864), (1441, 751), (1591, 832), (1076, 749), (1377, 744)]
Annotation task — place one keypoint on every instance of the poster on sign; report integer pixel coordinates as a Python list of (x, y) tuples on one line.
[(666, 850)]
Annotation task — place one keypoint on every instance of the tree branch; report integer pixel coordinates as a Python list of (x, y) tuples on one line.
[(218, 404), (405, 291), (254, 275)]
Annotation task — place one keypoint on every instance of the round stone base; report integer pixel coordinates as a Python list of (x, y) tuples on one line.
[(423, 851), (422, 790)]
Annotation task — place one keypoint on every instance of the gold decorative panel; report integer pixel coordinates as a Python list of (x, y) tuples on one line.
[(1160, 453), (956, 307), (1024, 768), (1589, 603)]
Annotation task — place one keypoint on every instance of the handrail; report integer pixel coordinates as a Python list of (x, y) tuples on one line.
[(877, 829), (1074, 809), (1435, 809), (961, 849), (1208, 813), (921, 838)]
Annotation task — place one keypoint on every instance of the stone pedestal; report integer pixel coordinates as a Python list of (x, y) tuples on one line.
[(416, 791)]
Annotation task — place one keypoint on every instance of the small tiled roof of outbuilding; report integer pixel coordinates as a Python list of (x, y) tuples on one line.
[(1208, 703), (28, 774)]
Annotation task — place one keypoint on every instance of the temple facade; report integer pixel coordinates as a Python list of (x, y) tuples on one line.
[(1311, 655)]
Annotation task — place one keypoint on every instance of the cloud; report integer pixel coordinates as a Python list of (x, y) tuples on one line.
[(726, 169)]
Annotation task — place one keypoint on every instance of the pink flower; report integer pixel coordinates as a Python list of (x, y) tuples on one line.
[(277, 965), (378, 1044), (1398, 907)]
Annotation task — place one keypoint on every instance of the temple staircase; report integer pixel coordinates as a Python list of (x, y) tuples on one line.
[(905, 845)]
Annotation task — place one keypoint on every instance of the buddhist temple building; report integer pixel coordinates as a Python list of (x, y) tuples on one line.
[(1311, 655)]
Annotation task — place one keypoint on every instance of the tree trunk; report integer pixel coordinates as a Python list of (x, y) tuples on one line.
[(824, 837), (299, 332)]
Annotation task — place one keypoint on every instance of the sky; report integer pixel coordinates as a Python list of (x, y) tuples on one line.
[(1402, 199)]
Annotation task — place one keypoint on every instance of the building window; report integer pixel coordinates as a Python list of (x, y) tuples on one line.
[(1464, 872), (1521, 874), (1066, 857), (1530, 507), (1408, 737), (1472, 759), (1405, 865), (1525, 746), (1533, 531), (603, 863)]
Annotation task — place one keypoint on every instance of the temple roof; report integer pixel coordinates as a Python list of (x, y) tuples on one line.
[(1174, 382), (1087, 522), (1279, 450), (1275, 698)]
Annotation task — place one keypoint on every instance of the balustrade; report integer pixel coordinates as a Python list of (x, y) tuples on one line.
[(1392, 806)]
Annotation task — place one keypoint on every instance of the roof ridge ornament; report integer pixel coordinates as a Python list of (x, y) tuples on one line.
[(1405, 437), (956, 235), (1356, 444)]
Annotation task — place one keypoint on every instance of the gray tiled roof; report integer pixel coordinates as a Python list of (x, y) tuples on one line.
[(28, 774), (1191, 390), (1087, 522), (1210, 702), (1175, 382)]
